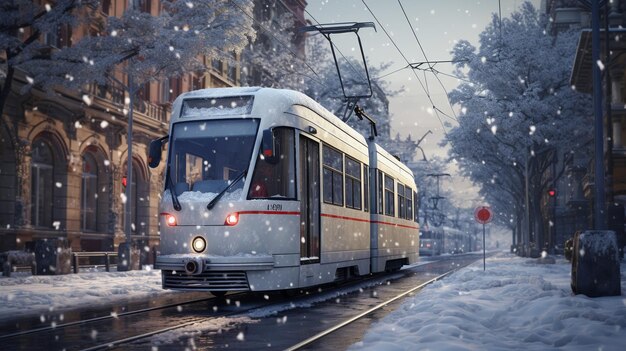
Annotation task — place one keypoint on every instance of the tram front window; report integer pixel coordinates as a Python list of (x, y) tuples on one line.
[(207, 155), (276, 179)]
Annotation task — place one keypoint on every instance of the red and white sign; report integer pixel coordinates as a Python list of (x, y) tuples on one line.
[(483, 214)]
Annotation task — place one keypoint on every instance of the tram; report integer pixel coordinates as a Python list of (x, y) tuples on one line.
[(267, 190)]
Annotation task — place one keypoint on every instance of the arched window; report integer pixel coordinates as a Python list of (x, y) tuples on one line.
[(89, 193), (42, 175)]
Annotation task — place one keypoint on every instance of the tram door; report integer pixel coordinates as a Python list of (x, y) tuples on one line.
[(310, 201)]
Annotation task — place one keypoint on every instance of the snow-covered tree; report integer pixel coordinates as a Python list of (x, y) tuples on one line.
[(24, 24), (271, 60), (517, 108), (150, 47)]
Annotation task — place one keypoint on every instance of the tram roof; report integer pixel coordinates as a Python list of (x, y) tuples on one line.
[(265, 99)]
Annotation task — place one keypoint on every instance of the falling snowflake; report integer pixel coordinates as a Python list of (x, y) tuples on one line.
[(87, 100)]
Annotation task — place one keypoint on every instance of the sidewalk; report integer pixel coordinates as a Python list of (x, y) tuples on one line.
[(516, 304), (45, 296)]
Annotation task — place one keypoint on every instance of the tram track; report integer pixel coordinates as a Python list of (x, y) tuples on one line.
[(351, 320), (50, 332), (98, 319), (126, 330), (318, 338)]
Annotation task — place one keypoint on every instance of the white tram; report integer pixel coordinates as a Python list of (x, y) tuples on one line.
[(267, 190)]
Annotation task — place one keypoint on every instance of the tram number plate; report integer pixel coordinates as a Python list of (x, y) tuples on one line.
[(274, 207)]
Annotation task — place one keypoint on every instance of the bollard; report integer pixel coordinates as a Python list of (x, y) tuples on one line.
[(595, 264)]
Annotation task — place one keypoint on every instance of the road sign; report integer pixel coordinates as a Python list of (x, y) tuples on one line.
[(483, 214)]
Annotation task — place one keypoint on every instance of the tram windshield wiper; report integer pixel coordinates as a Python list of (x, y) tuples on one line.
[(221, 193), (175, 201)]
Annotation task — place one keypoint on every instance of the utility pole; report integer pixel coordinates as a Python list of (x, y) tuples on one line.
[(599, 217), (438, 217)]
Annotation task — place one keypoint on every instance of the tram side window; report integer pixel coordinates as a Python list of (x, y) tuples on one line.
[(379, 191), (389, 196), (416, 213), (353, 183), (366, 188), (276, 180), (409, 203), (401, 202), (333, 176)]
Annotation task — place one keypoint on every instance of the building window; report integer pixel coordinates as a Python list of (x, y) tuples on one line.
[(197, 81), (42, 175), (232, 68), (389, 196), (333, 176), (59, 38), (106, 5), (217, 65), (89, 194), (170, 89), (353, 183), (145, 6)]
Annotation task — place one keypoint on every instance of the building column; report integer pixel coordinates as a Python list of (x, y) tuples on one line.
[(74, 204)]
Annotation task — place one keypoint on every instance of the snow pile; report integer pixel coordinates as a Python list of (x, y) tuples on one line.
[(515, 304), (600, 242), (23, 295)]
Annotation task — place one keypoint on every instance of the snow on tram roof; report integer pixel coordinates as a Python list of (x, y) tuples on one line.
[(281, 99)]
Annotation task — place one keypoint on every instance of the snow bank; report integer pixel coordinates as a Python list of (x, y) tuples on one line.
[(513, 305)]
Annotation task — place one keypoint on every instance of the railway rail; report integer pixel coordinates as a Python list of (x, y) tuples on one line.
[(134, 329)]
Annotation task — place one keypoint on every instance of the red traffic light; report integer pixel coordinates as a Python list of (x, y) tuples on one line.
[(551, 192), (124, 181)]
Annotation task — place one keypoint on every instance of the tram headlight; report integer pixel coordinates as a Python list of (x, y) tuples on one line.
[(232, 219), (198, 244)]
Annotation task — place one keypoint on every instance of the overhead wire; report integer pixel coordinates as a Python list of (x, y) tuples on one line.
[(408, 63), (431, 67)]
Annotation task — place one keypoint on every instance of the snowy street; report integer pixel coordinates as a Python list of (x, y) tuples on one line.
[(516, 303)]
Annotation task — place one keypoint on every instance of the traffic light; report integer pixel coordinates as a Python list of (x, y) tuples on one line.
[(552, 192), (124, 182)]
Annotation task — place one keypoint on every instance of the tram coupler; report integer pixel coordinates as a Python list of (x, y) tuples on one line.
[(194, 266)]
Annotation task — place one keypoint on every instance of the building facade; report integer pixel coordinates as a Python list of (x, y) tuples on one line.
[(577, 207), (64, 156)]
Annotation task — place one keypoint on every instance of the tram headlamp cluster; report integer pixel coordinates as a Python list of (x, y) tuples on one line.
[(198, 244)]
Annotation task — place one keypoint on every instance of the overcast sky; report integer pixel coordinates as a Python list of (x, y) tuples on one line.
[(438, 25)]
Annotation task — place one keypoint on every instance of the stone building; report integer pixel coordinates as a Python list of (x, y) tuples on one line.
[(63, 156), (578, 201)]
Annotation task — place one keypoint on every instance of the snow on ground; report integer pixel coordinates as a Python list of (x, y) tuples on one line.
[(515, 304), (25, 295)]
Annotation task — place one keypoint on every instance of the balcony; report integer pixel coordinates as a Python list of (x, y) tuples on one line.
[(112, 97)]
